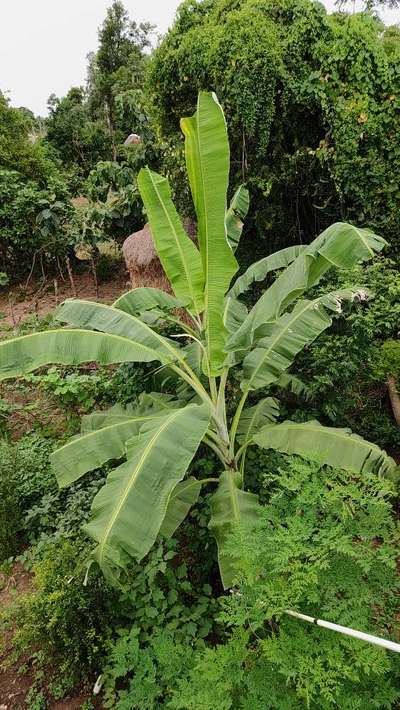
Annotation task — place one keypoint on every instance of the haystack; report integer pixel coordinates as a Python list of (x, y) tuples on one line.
[(141, 259)]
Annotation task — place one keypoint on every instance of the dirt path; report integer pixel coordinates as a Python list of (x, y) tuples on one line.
[(41, 300)]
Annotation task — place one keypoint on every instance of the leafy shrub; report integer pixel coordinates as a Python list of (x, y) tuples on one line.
[(70, 622), (25, 478), (166, 604), (346, 368), (10, 510), (73, 389), (33, 222)]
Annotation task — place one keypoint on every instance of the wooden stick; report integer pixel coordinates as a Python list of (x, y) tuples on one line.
[(56, 291), (12, 314), (71, 278), (96, 283)]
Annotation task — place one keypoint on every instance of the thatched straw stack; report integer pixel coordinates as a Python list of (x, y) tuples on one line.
[(142, 261)]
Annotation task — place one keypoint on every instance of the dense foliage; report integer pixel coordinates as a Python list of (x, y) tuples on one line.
[(312, 106)]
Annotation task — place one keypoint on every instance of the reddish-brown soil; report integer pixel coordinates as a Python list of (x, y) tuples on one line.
[(40, 299)]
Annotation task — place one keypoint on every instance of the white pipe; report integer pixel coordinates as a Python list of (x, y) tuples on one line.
[(385, 643)]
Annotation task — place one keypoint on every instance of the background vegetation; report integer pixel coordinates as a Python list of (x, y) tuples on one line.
[(312, 104)]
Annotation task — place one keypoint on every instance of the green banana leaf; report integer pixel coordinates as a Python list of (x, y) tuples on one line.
[(334, 447), (288, 336), (116, 322), (128, 511), (341, 245), (26, 353), (183, 497), (230, 506), (259, 270), (146, 298), (207, 160), (234, 314), (146, 403), (103, 437), (253, 418), (235, 216), (178, 254)]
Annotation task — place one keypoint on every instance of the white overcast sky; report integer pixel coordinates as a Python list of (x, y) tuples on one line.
[(43, 44)]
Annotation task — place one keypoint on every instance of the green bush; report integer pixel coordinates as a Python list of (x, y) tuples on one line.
[(10, 509), (347, 367), (68, 621), (311, 102), (32, 222)]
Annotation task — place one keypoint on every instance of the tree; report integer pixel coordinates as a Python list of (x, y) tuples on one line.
[(17, 151), (117, 65), (147, 495), (79, 141)]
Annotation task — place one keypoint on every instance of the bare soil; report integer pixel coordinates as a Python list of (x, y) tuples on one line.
[(39, 299)]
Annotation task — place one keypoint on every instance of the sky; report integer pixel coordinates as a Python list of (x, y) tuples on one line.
[(44, 44)]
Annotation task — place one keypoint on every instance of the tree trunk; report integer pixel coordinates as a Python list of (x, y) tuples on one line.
[(110, 123), (394, 398)]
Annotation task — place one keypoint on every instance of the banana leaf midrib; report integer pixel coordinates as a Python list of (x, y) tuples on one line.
[(206, 233), (132, 480)]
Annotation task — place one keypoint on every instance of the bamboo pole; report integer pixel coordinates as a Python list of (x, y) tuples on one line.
[(347, 631)]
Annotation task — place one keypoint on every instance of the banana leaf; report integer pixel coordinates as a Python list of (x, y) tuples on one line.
[(254, 418), (116, 322), (230, 506), (146, 298), (288, 336), (235, 215), (339, 448), (341, 245), (178, 254), (183, 497), (21, 355), (260, 269), (128, 511), (103, 437)]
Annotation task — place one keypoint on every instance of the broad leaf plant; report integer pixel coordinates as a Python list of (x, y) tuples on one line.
[(156, 438)]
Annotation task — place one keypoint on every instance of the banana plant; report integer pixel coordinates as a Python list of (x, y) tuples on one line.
[(154, 439)]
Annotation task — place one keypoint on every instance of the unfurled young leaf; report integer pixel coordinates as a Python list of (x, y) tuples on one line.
[(207, 160)]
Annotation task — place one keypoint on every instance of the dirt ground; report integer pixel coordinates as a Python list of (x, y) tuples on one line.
[(14, 685), (39, 299)]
